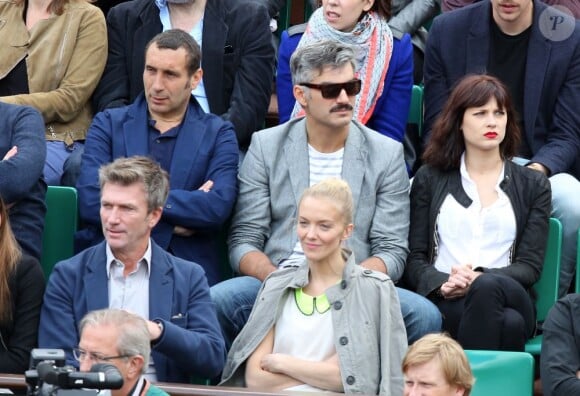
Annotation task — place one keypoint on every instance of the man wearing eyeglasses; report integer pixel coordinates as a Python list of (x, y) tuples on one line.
[(119, 338), (130, 271), (283, 161)]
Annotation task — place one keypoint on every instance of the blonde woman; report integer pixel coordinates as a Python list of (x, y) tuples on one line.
[(327, 324)]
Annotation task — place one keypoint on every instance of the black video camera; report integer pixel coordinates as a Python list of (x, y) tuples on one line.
[(49, 376)]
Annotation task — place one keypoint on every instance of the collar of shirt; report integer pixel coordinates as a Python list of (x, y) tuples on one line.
[(469, 184), (161, 4), (145, 260)]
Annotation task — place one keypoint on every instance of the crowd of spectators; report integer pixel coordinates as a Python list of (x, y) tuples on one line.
[(153, 112)]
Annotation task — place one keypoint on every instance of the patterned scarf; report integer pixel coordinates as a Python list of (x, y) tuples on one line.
[(372, 40)]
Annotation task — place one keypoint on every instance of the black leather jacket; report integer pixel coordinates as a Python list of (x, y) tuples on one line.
[(530, 196)]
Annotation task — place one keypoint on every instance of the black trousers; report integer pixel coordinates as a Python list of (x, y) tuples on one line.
[(496, 314)]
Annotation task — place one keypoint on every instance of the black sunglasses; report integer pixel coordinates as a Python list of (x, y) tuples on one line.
[(331, 91)]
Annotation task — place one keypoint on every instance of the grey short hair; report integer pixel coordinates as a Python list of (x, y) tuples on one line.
[(133, 337), (314, 58), (138, 169)]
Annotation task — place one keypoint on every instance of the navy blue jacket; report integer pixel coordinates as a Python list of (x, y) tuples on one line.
[(191, 343), (21, 182), (206, 149), (459, 44), (237, 59)]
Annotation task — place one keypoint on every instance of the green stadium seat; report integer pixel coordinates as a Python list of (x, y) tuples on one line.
[(547, 287), (60, 225), (500, 373), (578, 264), (416, 108)]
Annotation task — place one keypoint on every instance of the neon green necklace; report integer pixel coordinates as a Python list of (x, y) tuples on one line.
[(306, 303)]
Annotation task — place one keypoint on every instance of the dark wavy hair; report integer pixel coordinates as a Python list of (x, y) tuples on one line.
[(10, 255), (383, 8), (447, 143)]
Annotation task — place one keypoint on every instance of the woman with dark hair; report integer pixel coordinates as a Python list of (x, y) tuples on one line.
[(21, 291), (53, 55), (479, 222), (384, 62)]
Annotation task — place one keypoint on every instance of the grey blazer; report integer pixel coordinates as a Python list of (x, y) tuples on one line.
[(275, 172), (409, 16)]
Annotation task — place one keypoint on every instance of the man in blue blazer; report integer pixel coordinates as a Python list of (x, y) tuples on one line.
[(238, 56), (198, 150), (535, 50), (129, 271)]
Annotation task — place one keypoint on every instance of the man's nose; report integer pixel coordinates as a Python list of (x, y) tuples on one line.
[(343, 97), (85, 364)]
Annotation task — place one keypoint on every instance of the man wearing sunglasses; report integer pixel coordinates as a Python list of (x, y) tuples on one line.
[(283, 161), (119, 338)]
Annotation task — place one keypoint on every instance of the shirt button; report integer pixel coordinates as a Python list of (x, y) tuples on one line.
[(337, 305), (343, 284), (168, 206), (367, 271), (158, 141), (350, 380), (343, 340)]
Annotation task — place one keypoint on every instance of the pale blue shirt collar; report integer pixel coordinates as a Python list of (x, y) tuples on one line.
[(196, 33), (145, 260)]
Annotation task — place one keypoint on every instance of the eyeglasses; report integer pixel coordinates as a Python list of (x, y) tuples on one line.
[(81, 355), (331, 91)]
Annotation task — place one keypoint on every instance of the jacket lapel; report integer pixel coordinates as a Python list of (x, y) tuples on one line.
[(477, 50), (185, 153), (135, 142), (296, 157), (355, 153), (160, 284), (215, 32), (95, 280), (539, 50)]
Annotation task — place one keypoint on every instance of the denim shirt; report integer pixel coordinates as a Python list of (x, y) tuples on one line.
[(369, 332)]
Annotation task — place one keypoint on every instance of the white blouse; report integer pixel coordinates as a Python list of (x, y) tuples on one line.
[(482, 237)]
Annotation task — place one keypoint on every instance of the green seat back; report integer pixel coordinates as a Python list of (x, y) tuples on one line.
[(60, 225), (547, 286), (578, 264), (501, 373), (416, 108)]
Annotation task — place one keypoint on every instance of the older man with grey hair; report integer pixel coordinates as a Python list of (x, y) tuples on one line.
[(283, 161), (119, 338)]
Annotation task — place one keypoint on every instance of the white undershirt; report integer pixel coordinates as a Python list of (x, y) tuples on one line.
[(304, 337), (482, 237), (322, 166)]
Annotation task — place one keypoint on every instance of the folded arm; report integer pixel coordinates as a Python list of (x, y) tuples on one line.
[(19, 172), (257, 377)]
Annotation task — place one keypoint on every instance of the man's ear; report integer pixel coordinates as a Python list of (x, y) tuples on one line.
[(136, 364), (196, 78), (155, 216), (300, 95)]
